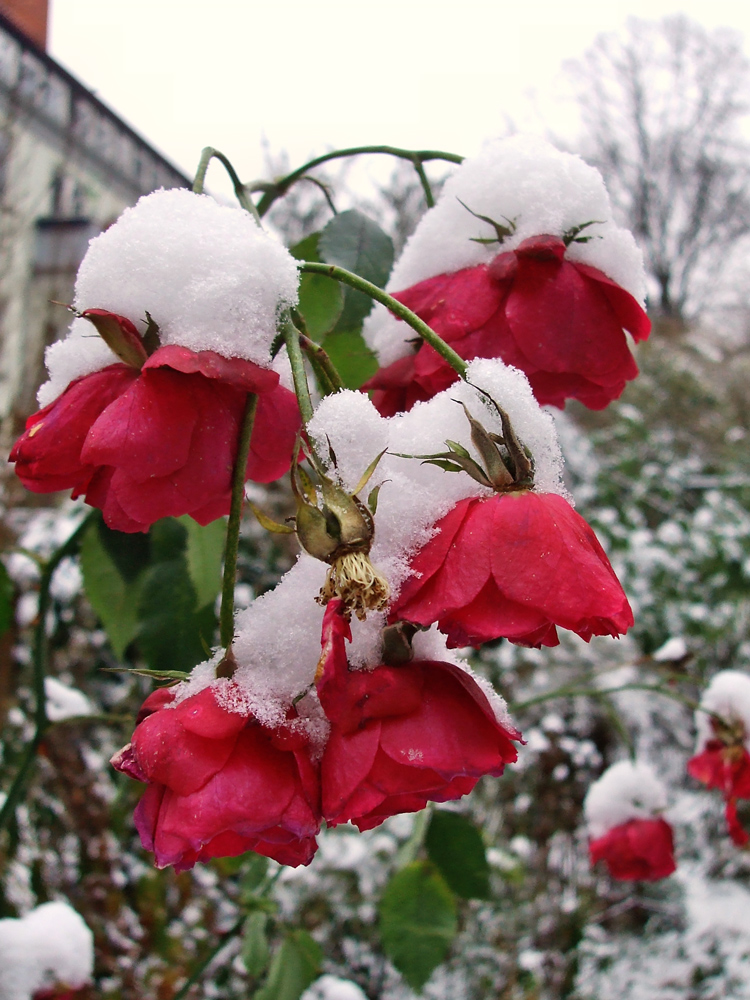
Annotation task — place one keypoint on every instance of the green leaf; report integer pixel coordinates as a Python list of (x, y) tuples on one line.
[(321, 299), (255, 950), (417, 921), (130, 552), (204, 552), (455, 847), (350, 356), (113, 594), (173, 629), (294, 967), (353, 241), (6, 600)]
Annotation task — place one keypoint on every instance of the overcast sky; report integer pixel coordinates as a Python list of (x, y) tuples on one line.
[(313, 75)]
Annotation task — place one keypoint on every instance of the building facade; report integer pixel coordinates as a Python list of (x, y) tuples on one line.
[(68, 167)]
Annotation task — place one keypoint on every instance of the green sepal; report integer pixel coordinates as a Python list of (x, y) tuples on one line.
[(157, 675), (268, 523)]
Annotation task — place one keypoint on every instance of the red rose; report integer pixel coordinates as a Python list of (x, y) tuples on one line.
[(516, 565), (641, 849), (726, 767), (160, 440), (401, 736), (559, 321), (220, 784)]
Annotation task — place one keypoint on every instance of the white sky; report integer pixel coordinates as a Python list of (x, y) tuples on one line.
[(310, 75)]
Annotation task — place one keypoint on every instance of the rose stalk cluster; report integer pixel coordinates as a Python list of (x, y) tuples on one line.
[(340, 698)]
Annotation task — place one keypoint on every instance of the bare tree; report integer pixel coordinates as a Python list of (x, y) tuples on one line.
[(662, 106)]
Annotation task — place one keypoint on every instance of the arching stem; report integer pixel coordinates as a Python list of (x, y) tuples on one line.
[(415, 156), (208, 154), (226, 615), (456, 362)]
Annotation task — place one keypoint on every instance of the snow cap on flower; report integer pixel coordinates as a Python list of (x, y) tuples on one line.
[(414, 495), (728, 695), (48, 947), (624, 792), (523, 181), (207, 274)]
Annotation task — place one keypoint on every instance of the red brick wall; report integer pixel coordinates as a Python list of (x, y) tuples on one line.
[(30, 16)]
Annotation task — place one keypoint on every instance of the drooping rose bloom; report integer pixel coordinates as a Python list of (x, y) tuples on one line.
[(722, 760), (558, 320), (220, 784), (517, 565), (157, 437), (401, 736), (623, 810), (641, 849)]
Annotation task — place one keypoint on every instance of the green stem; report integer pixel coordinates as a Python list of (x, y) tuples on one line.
[(39, 662), (208, 154), (415, 156), (297, 362), (225, 938), (428, 196), (318, 357), (576, 692), (456, 362), (226, 615)]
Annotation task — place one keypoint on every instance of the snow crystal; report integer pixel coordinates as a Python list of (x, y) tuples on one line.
[(728, 695), (50, 946), (522, 179), (208, 275), (625, 791), (65, 702), (673, 649)]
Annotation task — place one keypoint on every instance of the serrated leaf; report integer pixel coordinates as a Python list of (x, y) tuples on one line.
[(417, 921), (294, 967), (255, 951), (204, 552), (350, 356), (6, 600), (113, 597), (456, 848), (354, 241)]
